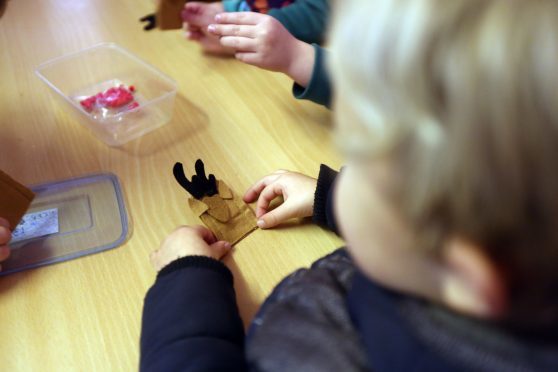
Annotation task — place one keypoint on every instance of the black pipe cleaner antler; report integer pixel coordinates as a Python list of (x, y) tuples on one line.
[(200, 185), (150, 21)]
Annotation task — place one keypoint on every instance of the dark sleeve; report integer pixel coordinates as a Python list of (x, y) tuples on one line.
[(190, 319), (305, 19), (319, 87), (323, 199)]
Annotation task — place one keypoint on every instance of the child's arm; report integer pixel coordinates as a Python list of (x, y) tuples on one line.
[(303, 196), (190, 317), (319, 87), (262, 41), (5, 237), (304, 19), (323, 199)]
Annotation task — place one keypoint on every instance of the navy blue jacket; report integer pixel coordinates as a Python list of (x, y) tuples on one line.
[(190, 316), (191, 320)]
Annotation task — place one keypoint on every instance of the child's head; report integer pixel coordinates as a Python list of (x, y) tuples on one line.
[(448, 112)]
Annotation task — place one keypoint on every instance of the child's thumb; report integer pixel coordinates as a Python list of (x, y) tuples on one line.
[(220, 248), (275, 217)]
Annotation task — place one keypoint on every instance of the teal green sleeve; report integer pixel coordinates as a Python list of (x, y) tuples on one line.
[(319, 87), (232, 5), (305, 19)]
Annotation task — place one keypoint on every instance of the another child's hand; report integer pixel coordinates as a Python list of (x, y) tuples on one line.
[(5, 237), (188, 241), (261, 40), (296, 189), (201, 15), (196, 17)]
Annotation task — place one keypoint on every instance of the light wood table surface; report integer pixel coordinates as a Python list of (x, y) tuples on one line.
[(243, 122)]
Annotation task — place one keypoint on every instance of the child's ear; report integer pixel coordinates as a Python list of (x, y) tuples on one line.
[(471, 282)]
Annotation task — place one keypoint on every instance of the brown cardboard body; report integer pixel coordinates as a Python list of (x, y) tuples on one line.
[(225, 214), (168, 14)]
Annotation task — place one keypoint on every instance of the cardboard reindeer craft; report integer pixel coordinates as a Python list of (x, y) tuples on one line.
[(216, 205)]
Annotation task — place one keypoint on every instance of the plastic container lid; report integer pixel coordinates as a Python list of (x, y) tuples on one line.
[(79, 216)]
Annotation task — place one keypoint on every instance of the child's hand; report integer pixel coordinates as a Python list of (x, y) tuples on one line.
[(201, 15), (197, 16), (262, 41), (5, 237), (298, 197), (188, 241)]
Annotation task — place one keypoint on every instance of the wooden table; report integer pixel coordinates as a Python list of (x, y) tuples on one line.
[(243, 122)]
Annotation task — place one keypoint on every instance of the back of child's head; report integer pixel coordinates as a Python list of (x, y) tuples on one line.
[(464, 94)]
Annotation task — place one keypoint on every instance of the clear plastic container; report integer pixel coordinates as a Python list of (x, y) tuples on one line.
[(77, 76)]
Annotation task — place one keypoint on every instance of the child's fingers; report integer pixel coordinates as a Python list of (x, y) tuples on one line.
[(193, 35), (232, 30), (249, 58), (210, 44), (254, 191), (273, 218), (191, 11), (220, 249), (193, 6), (5, 235), (187, 16), (191, 27), (204, 233), (239, 43), (198, 14), (4, 222), (252, 194), (267, 195), (239, 18)]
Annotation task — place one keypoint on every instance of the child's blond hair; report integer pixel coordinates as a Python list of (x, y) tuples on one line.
[(465, 93)]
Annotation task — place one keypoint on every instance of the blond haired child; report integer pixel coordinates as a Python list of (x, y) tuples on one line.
[(446, 112)]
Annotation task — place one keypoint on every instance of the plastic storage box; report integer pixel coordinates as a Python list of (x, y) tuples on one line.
[(78, 76), (69, 219)]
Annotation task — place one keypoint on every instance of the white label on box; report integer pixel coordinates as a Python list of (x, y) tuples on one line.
[(36, 224)]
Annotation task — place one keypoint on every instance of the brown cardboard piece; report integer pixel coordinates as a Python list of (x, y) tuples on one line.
[(14, 199), (3, 4), (225, 214), (168, 14)]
